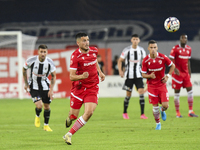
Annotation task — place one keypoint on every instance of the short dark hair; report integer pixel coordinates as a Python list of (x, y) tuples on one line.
[(42, 46), (183, 34), (152, 42), (79, 35), (135, 35)]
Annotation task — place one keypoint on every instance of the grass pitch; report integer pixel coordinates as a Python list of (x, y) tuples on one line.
[(106, 130)]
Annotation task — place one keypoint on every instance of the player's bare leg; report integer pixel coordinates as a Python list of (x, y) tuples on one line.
[(73, 114), (163, 108), (89, 109)]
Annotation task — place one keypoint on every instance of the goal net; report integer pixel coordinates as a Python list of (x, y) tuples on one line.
[(15, 48)]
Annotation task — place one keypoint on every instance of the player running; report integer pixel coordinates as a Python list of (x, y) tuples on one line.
[(83, 73), (38, 83), (153, 68)]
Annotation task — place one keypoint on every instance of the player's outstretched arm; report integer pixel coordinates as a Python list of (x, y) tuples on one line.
[(75, 77), (26, 86), (53, 81)]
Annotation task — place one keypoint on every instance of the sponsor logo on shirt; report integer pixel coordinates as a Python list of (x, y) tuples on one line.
[(90, 63), (135, 61), (184, 57), (39, 75), (158, 69)]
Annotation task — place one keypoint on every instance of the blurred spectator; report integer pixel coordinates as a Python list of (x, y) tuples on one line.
[(101, 63), (115, 70)]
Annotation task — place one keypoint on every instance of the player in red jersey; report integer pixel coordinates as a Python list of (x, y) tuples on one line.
[(83, 73), (153, 68), (180, 55)]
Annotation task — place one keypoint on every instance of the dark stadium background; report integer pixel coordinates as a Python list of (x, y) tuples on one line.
[(153, 12)]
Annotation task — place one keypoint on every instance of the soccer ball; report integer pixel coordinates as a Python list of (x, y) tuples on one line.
[(172, 24)]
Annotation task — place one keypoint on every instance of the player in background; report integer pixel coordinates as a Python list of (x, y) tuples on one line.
[(180, 55), (101, 63), (153, 68), (38, 83), (115, 70), (132, 55), (83, 73)]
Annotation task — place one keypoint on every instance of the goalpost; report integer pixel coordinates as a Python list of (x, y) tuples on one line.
[(15, 48)]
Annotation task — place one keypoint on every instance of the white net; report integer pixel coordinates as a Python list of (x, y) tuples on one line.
[(15, 48)]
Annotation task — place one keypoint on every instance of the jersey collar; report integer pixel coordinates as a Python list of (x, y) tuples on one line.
[(82, 52), (40, 61), (134, 48), (153, 58), (182, 47)]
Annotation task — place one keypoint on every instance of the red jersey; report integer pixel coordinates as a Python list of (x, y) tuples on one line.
[(181, 56), (156, 65), (85, 62)]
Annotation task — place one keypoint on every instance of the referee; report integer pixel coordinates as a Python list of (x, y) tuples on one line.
[(132, 55), (38, 84)]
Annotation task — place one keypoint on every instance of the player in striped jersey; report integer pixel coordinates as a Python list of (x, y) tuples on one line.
[(180, 55), (132, 55), (38, 83)]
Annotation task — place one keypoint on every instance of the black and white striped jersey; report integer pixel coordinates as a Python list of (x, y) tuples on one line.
[(39, 72), (133, 60)]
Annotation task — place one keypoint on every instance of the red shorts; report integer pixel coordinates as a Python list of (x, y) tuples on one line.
[(183, 80), (83, 95), (158, 95)]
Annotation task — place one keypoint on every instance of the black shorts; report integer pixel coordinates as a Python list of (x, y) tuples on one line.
[(128, 85), (40, 95)]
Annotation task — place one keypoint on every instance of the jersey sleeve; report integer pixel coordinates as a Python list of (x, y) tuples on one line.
[(144, 66), (53, 67), (124, 53), (28, 62), (73, 62), (143, 53), (190, 53), (168, 62), (172, 53), (26, 66)]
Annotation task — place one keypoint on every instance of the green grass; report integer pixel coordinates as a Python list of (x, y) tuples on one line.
[(106, 130)]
